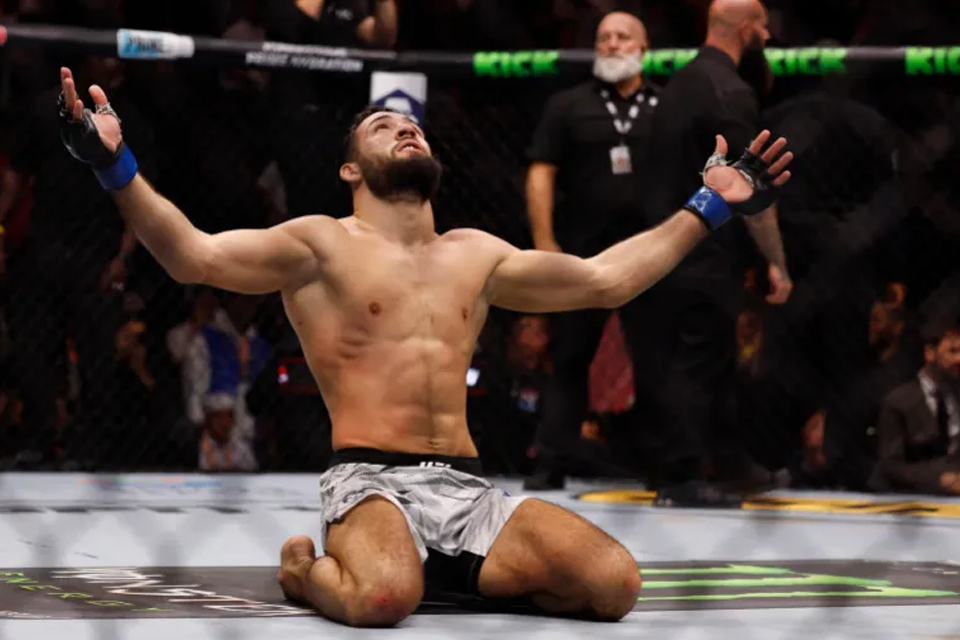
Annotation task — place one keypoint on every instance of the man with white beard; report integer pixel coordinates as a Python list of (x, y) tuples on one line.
[(584, 193)]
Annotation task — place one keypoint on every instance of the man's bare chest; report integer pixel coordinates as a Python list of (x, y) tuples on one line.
[(396, 293)]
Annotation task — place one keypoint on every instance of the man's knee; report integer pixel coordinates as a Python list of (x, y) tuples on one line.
[(385, 604), (616, 585)]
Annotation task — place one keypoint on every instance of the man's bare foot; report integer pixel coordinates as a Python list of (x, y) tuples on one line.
[(296, 557)]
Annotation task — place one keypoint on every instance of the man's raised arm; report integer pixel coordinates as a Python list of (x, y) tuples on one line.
[(545, 281), (251, 261), (539, 282), (245, 261)]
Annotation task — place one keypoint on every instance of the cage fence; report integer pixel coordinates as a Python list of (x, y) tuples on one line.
[(108, 362)]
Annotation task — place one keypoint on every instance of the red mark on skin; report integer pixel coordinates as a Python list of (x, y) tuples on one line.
[(375, 308), (466, 314)]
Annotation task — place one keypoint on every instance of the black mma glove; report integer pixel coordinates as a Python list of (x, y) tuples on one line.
[(715, 211), (765, 193), (114, 169)]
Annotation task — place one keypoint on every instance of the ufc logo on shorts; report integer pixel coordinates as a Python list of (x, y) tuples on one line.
[(441, 465)]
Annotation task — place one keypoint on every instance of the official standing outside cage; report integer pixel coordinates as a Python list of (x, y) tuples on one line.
[(690, 316), (584, 195)]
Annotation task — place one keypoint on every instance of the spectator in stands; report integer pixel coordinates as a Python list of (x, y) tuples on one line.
[(128, 423), (749, 342), (304, 123), (75, 253), (506, 387), (4, 333), (529, 369), (204, 309), (14, 198), (132, 354), (583, 195), (13, 434), (919, 426), (223, 447), (844, 453), (225, 358), (293, 424), (528, 361), (335, 23)]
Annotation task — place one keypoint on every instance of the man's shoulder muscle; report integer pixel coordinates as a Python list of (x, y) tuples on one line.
[(318, 231), (484, 253), (480, 247), (477, 238)]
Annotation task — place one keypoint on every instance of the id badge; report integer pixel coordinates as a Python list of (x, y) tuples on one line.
[(620, 160)]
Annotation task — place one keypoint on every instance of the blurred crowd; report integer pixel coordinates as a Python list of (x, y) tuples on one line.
[(107, 364)]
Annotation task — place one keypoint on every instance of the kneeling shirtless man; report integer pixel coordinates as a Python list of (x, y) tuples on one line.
[(388, 312)]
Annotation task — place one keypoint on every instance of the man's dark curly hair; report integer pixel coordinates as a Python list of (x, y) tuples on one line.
[(350, 142)]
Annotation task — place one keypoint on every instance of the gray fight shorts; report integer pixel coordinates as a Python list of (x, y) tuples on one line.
[(453, 512)]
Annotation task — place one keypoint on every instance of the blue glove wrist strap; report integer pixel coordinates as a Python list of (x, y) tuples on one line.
[(120, 173), (710, 206)]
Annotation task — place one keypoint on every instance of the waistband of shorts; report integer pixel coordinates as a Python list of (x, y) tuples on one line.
[(397, 459)]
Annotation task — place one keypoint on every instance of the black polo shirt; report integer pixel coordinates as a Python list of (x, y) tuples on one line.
[(576, 134), (336, 26), (705, 98)]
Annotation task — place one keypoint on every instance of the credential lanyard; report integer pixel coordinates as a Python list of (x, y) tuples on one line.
[(623, 126)]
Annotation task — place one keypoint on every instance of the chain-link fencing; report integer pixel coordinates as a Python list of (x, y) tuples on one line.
[(111, 365)]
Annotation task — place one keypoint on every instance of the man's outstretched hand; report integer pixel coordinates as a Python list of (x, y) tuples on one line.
[(83, 123), (753, 172)]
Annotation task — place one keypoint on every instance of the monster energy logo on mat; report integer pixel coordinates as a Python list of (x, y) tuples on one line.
[(796, 584), (245, 592)]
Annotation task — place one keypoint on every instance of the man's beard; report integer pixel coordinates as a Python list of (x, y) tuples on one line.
[(946, 379), (417, 176), (614, 69), (754, 67)]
